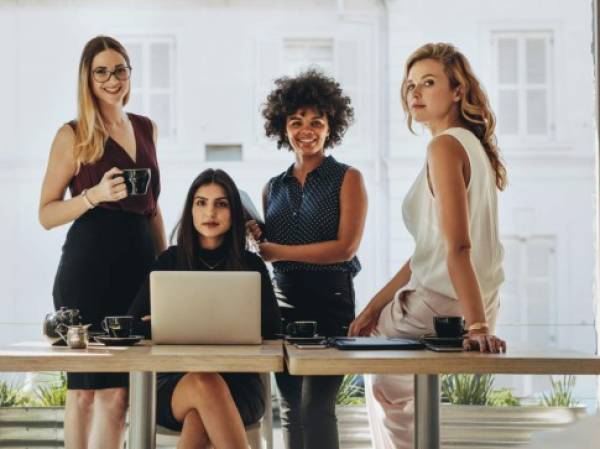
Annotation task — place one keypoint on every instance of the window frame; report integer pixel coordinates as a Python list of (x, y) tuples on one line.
[(145, 91), (523, 139)]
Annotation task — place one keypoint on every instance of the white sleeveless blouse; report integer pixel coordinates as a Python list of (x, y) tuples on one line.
[(428, 263)]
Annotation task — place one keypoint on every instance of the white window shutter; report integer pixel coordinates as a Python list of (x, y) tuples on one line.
[(160, 65), (508, 60), (153, 80), (522, 76), (535, 57)]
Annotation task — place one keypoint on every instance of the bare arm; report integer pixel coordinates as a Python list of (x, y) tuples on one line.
[(53, 209), (365, 322), (353, 212), (447, 164)]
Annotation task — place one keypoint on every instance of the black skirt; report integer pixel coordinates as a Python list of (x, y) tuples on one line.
[(246, 389), (106, 257)]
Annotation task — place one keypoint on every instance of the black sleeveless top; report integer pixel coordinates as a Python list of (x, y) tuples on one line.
[(297, 215)]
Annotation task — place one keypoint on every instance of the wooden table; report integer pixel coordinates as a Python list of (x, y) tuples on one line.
[(427, 365), (142, 362)]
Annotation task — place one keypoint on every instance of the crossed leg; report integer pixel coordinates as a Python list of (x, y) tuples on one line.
[(203, 403)]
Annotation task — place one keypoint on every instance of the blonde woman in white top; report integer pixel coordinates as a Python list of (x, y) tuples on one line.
[(451, 212)]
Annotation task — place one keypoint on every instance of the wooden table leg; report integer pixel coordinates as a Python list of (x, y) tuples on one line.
[(427, 411), (142, 410)]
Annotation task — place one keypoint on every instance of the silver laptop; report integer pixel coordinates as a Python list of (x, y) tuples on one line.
[(205, 307)]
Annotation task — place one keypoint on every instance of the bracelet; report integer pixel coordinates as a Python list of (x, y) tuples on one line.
[(87, 201), (478, 326)]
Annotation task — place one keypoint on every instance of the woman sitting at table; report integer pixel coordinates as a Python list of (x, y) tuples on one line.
[(211, 408), (451, 211)]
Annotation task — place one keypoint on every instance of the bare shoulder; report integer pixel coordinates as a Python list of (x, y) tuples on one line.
[(446, 148), (65, 135), (64, 143), (353, 176)]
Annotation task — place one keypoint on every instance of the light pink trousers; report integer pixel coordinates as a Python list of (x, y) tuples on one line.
[(390, 401)]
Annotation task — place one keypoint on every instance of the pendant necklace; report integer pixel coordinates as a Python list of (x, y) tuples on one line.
[(213, 266)]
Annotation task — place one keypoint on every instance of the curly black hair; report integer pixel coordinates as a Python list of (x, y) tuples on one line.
[(311, 88)]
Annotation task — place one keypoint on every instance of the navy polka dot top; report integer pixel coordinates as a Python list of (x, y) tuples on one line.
[(298, 216)]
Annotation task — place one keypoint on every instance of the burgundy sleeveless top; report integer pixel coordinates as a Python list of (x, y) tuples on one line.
[(115, 156)]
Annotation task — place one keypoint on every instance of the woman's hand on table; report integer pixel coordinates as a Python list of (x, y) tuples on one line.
[(484, 342), (364, 324)]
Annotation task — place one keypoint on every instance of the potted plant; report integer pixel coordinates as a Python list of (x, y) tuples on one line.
[(33, 419), (353, 422), (474, 414)]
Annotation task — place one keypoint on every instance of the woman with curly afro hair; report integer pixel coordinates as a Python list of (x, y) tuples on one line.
[(314, 219)]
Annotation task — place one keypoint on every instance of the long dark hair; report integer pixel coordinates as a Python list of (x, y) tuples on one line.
[(187, 235)]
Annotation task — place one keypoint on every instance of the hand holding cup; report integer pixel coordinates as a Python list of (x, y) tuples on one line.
[(111, 188)]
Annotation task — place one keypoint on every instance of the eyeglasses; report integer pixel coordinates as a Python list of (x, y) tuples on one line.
[(102, 74)]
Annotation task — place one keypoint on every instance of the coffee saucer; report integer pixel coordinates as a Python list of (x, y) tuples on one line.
[(451, 342), (118, 341), (305, 340)]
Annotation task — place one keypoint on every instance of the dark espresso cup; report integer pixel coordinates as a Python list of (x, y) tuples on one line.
[(304, 329), (118, 326), (136, 180), (449, 326)]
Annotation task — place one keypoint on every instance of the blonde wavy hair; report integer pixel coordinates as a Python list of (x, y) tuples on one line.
[(474, 106), (91, 133)]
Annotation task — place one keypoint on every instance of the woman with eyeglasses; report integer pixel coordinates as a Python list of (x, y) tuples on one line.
[(113, 239)]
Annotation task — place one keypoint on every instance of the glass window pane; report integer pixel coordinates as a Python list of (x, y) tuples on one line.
[(136, 58), (508, 111), (160, 65), (537, 122), (507, 60), (536, 60), (160, 112)]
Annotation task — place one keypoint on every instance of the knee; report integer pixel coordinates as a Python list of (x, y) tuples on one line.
[(82, 400), (206, 384), (113, 401), (393, 390)]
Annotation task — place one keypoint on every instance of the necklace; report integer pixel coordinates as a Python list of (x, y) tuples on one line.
[(209, 266)]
